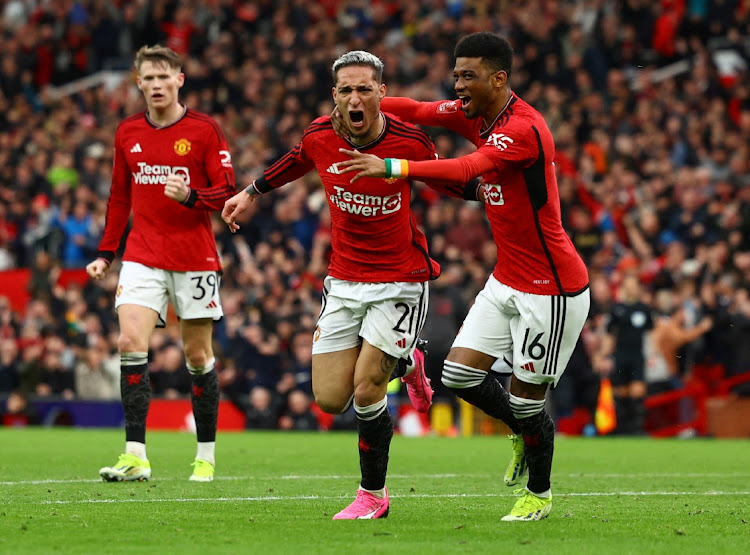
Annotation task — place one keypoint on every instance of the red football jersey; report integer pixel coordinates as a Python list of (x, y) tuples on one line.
[(374, 237), (165, 233), (534, 254)]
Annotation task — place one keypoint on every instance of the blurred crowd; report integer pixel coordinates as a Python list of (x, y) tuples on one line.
[(648, 101)]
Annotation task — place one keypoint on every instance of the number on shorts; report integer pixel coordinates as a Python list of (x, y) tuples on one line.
[(210, 283), (536, 349), (408, 312)]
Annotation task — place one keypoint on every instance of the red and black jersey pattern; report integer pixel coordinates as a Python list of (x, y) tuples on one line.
[(534, 254), (374, 236), (165, 233)]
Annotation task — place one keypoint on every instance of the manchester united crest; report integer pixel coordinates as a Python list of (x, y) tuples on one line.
[(390, 180), (182, 147), (119, 291)]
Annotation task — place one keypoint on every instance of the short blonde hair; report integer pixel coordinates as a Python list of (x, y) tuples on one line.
[(158, 54)]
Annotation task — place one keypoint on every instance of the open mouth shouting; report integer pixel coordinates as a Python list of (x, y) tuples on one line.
[(465, 102), (357, 117)]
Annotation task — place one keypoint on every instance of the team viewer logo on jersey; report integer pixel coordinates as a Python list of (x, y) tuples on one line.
[(182, 147), (365, 205), (493, 194), (157, 175)]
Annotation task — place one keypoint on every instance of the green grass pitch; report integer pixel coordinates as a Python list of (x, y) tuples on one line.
[(276, 492)]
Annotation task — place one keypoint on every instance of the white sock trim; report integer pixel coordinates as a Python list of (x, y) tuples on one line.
[(371, 412), (136, 448), (544, 495), (200, 370), (207, 451), (460, 376), (524, 408)]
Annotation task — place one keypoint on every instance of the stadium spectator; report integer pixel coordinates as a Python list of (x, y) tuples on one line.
[(172, 167), (9, 363), (97, 371), (17, 411), (536, 301), (376, 292), (261, 408), (298, 415), (663, 344)]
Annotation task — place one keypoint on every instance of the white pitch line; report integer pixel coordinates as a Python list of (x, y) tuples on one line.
[(402, 476), (411, 496), (582, 475)]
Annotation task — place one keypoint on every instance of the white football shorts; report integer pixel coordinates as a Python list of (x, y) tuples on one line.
[(193, 294), (389, 316), (540, 331)]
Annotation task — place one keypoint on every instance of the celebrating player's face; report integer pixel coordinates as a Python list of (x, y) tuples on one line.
[(358, 94), (159, 84), (475, 85)]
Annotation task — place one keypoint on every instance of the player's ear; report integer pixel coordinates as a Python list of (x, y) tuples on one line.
[(180, 79), (500, 78), (383, 90)]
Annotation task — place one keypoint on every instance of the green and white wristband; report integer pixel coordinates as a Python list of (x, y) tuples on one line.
[(396, 167)]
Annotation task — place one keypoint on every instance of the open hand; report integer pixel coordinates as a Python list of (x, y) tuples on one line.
[(234, 207), (367, 165), (339, 125)]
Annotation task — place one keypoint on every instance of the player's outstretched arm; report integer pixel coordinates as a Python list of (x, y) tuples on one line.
[(460, 169), (367, 165), (237, 205)]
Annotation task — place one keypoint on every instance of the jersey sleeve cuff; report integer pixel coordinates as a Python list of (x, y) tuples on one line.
[(471, 190), (261, 185), (107, 256), (191, 199)]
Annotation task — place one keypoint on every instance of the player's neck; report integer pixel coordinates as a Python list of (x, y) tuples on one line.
[(163, 118), (373, 134), (497, 107)]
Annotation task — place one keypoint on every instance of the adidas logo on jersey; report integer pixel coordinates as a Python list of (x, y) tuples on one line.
[(136, 148), (212, 304), (334, 169), (401, 343)]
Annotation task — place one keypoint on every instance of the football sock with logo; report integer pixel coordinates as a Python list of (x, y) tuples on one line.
[(481, 390), (539, 445), (375, 429), (135, 388), (205, 400)]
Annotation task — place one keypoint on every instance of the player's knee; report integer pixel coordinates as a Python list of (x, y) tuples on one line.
[(332, 405), (460, 376), (525, 408), (131, 343), (197, 358), (368, 393)]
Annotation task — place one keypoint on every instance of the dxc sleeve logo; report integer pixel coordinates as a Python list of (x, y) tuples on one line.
[(499, 140)]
